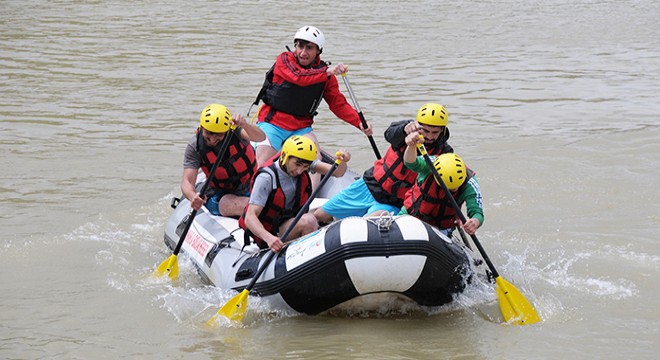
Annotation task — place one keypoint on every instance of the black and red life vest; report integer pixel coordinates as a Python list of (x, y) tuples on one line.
[(237, 167), (274, 212), (429, 202), (389, 179), (290, 98)]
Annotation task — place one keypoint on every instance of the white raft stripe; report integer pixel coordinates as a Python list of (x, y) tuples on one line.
[(395, 273), (412, 228), (353, 230)]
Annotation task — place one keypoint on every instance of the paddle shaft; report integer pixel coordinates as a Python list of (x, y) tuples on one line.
[(456, 207), (207, 183), (302, 211), (359, 111), (464, 237)]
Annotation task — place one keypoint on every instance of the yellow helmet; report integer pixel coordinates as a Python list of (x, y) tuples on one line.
[(215, 118), (301, 147), (432, 114), (451, 169)]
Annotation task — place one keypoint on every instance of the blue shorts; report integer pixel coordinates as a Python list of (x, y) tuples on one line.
[(355, 200), (212, 203), (275, 135)]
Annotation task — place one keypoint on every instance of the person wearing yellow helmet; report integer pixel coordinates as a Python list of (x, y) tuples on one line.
[(280, 189), (228, 193), (428, 201), (294, 87), (383, 187)]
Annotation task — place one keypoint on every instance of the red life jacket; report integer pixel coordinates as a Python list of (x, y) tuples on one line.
[(430, 203), (237, 167), (389, 179), (274, 213), (289, 97)]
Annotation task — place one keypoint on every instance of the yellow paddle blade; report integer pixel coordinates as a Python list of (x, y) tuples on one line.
[(515, 308), (169, 267), (234, 309)]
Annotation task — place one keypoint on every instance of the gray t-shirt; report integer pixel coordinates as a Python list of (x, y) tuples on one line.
[(265, 182), (192, 159)]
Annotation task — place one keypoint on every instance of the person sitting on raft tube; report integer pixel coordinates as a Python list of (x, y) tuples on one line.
[(383, 187), (228, 192), (292, 91), (281, 188), (428, 202)]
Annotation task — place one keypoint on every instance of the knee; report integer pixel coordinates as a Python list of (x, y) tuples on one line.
[(232, 205), (322, 216), (263, 153), (308, 223)]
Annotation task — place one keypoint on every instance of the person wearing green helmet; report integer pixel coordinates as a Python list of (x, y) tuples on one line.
[(228, 193), (427, 200), (280, 189)]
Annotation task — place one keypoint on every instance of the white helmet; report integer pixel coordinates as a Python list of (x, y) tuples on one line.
[(311, 34)]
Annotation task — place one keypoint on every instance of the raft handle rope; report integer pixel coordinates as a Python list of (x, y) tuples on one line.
[(385, 221)]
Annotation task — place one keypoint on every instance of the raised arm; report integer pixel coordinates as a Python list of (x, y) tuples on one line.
[(410, 155), (250, 132), (397, 131)]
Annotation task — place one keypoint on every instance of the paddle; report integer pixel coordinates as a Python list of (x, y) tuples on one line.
[(514, 306), (171, 265), (359, 111), (235, 308), (464, 237)]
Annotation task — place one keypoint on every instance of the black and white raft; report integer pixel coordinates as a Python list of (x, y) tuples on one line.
[(345, 260)]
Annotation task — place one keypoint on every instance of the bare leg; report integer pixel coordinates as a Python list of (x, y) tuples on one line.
[(322, 215), (305, 225), (232, 205), (264, 152)]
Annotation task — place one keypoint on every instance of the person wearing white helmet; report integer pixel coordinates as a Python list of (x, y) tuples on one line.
[(293, 90)]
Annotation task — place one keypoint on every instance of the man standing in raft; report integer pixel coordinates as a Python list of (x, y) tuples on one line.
[(293, 90)]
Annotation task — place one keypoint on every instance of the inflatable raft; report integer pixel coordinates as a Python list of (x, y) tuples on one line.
[(345, 260)]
